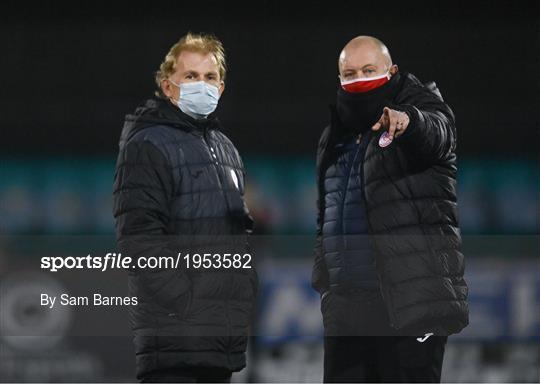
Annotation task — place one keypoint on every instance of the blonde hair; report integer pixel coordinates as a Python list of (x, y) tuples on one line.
[(193, 42)]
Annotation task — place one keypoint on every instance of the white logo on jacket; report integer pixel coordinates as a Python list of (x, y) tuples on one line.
[(234, 178), (423, 339)]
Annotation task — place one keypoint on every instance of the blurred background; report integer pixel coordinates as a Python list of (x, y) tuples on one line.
[(70, 74)]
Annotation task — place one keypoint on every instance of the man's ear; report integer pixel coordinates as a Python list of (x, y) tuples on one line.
[(394, 69), (221, 87), (166, 88)]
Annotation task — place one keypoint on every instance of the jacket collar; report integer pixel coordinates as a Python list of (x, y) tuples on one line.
[(158, 111), (182, 120)]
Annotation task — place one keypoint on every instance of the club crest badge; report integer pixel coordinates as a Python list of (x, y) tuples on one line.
[(384, 140)]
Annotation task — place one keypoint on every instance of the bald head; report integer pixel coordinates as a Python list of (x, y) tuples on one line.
[(364, 56)]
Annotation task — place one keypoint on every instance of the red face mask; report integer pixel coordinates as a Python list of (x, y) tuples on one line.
[(360, 85)]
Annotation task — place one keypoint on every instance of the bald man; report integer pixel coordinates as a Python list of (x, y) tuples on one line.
[(388, 263)]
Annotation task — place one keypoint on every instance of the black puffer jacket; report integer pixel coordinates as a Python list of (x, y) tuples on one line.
[(179, 187), (410, 197)]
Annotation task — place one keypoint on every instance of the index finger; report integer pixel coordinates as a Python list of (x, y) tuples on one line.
[(393, 124)]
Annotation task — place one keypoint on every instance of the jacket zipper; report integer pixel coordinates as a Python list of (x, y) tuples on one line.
[(220, 181), (349, 171), (370, 232), (216, 163)]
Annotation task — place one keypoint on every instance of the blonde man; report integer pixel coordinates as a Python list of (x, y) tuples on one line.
[(180, 182)]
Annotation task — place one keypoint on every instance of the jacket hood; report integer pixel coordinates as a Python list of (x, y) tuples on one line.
[(412, 84), (156, 111)]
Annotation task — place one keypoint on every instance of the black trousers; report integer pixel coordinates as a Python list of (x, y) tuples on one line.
[(188, 375), (360, 346)]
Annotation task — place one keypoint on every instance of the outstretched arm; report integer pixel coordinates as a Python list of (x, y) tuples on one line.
[(425, 124)]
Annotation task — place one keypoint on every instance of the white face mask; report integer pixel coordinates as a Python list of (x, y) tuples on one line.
[(197, 99)]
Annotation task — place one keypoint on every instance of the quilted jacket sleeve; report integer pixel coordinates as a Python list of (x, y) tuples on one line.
[(142, 191), (431, 133), (319, 276)]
